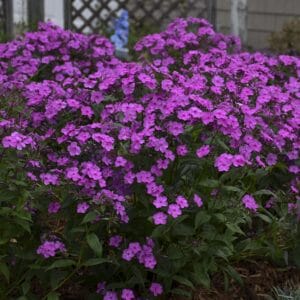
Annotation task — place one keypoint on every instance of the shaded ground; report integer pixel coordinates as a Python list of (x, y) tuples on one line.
[(259, 279)]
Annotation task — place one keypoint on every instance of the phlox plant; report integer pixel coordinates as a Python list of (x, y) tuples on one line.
[(136, 180)]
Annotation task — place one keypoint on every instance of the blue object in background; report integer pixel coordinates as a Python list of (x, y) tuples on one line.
[(121, 28)]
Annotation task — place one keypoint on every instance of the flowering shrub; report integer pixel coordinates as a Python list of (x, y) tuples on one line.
[(143, 178)]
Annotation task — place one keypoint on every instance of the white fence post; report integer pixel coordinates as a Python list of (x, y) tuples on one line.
[(238, 19)]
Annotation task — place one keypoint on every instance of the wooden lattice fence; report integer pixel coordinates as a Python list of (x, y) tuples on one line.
[(92, 15)]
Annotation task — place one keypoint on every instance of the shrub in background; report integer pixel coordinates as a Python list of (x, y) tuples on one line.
[(140, 179), (288, 39)]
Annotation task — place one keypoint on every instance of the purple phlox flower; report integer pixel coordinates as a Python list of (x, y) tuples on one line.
[(271, 159), (270, 203), (127, 294), (73, 174), (120, 161), (101, 287), (292, 207), (198, 200), (115, 241), (182, 202), (182, 150), (203, 151), (74, 149), (160, 201), (224, 162), (17, 140), (110, 296), (156, 289), (82, 207), (49, 179), (50, 248), (54, 207), (144, 177), (238, 160), (294, 169), (250, 203), (107, 142), (174, 210), (160, 218), (87, 111)]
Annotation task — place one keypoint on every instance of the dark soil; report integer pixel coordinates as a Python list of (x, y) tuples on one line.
[(259, 280)]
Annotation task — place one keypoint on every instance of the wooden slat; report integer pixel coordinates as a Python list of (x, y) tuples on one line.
[(2, 15), (36, 12), (6, 18), (67, 14)]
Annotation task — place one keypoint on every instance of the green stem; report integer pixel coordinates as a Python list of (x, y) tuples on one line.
[(61, 283), (16, 284), (78, 265)]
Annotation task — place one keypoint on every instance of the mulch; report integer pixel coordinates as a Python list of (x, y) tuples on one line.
[(259, 279)]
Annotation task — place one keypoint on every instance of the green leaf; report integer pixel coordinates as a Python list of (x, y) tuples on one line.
[(226, 282), (53, 296), (62, 263), (56, 277), (121, 285), (3, 240), (158, 231), (234, 228), (138, 275), (174, 252), (232, 189), (264, 218), (204, 279), (209, 183), (234, 274), (222, 254), (96, 261), (184, 281), (77, 230), (24, 216), (181, 292), (94, 243), (18, 182), (201, 218), (24, 224), (4, 270), (223, 145), (184, 230), (220, 217), (25, 287), (264, 192), (89, 217)]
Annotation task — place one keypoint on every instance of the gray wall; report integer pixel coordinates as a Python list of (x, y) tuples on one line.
[(264, 17)]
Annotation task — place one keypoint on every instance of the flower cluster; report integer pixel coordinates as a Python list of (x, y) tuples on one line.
[(250, 203), (50, 248), (155, 288), (17, 140), (143, 253)]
